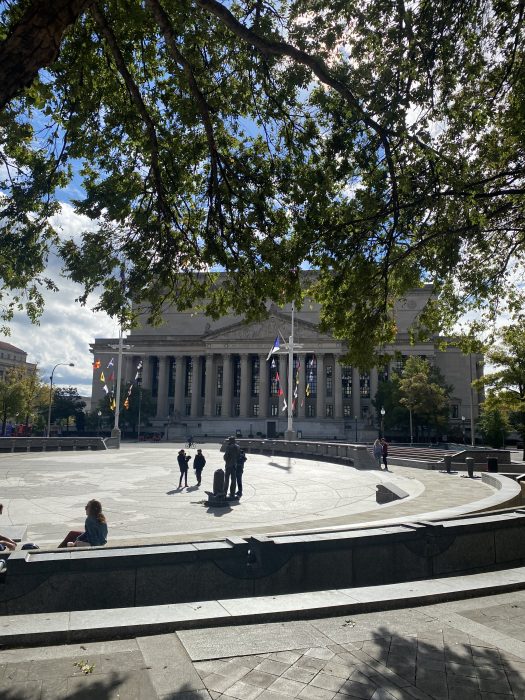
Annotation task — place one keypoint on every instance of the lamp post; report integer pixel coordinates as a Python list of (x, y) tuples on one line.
[(59, 364), (463, 428), (355, 418), (99, 414), (382, 421), (139, 384), (115, 433), (411, 430)]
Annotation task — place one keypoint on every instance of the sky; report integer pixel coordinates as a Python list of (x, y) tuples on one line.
[(66, 328)]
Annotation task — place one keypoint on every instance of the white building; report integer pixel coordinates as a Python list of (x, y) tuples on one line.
[(211, 378)]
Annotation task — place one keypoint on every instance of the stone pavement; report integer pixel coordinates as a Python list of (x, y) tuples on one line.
[(137, 486), (465, 650)]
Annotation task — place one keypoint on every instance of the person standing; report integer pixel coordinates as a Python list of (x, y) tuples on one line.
[(231, 457), (239, 470), (378, 452), (198, 464), (183, 459), (384, 446)]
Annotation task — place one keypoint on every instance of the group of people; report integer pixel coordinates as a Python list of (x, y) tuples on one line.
[(380, 450), (234, 459), (183, 461)]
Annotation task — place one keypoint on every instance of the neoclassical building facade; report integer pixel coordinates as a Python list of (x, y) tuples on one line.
[(212, 378)]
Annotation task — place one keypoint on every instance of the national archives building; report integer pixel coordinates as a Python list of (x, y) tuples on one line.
[(212, 378)]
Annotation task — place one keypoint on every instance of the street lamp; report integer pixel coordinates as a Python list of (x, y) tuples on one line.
[(99, 414), (59, 364), (355, 418), (382, 421), (463, 428)]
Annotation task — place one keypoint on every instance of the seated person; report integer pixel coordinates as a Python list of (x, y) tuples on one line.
[(96, 529), (4, 539)]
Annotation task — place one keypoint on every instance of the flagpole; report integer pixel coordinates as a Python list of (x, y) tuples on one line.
[(290, 434), (115, 433)]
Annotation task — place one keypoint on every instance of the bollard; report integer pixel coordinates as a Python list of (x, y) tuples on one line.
[(448, 463), (492, 464), (470, 466), (218, 482)]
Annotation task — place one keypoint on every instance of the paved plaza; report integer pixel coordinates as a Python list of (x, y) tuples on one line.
[(464, 650), (138, 488)]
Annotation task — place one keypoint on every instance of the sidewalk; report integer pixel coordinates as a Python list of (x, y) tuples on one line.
[(465, 650)]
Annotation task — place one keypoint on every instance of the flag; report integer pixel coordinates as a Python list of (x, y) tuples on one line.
[(307, 390), (273, 365), (280, 392), (102, 377), (126, 403), (106, 389), (274, 349), (285, 405), (139, 366), (110, 364), (277, 377), (113, 404), (96, 364), (295, 392), (111, 377)]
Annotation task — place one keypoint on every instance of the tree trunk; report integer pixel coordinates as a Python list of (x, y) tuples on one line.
[(34, 42)]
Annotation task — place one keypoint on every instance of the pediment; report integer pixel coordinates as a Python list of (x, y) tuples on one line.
[(267, 329)]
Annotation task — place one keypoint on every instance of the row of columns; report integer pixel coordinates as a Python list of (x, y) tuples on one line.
[(226, 399)]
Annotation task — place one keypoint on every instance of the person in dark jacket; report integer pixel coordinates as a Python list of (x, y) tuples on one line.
[(239, 470), (231, 456), (384, 445), (183, 459), (198, 464)]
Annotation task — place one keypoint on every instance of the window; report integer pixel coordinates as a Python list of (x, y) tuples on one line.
[(189, 378), (236, 377), (218, 387), (218, 409), (454, 411), (310, 410), (346, 381), (329, 381), (187, 410), (171, 376), (311, 375), (329, 410), (255, 409), (347, 410), (237, 409), (274, 409), (274, 384), (364, 385), (382, 374), (256, 375), (399, 363)]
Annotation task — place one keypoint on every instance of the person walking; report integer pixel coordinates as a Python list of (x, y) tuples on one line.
[(183, 459), (198, 464), (239, 470), (384, 445), (378, 452), (231, 457)]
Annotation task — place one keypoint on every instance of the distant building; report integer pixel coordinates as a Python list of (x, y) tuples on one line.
[(212, 377), (10, 357)]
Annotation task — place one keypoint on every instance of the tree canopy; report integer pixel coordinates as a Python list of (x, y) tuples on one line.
[(378, 142)]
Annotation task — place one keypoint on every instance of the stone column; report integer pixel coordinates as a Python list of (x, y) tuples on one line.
[(338, 388), (263, 386), (374, 382), (195, 385), (180, 374), (146, 372), (321, 387), (209, 383), (227, 385), (162, 394), (245, 386), (356, 391), (301, 399)]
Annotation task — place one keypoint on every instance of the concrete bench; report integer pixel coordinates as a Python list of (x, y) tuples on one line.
[(14, 532), (388, 492)]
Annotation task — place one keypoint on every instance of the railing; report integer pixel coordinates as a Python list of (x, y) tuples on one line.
[(43, 444), (355, 455)]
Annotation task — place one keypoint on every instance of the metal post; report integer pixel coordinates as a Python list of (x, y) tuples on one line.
[(355, 418), (59, 364), (290, 434), (115, 433), (411, 431), (472, 426), (139, 383)]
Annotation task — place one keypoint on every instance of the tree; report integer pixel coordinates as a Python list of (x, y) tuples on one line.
[(22, 392), (508, 382), (421, 394), (252, 137), (67, 404), (11, 398), (493, 420)]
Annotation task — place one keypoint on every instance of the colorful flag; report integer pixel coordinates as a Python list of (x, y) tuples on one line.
[(285, 405), (111, 377), (106, 389), (96, 364), (307, 390), (113, 404), (274, 349), (280, 392), (126, 403), (277, 377), (102, 377), (110, 363), (273, 365)]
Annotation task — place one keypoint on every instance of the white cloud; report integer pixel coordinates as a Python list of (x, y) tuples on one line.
[(66, 328)]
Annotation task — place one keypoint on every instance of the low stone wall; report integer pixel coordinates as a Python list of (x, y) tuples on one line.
[(355, 455), (108, 577), (42, 444)]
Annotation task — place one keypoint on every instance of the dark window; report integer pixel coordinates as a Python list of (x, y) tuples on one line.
[(236, 376), (311, 375), (218, 409), (256, 375), (274, 409), (189, 377), (310, 410), (171, 377), (218, 390), (347, 410), (364, 385), (329, 381), (329, 410), (274, 384), (454, 411), (255, 409), (346, 381), (237, 409)]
